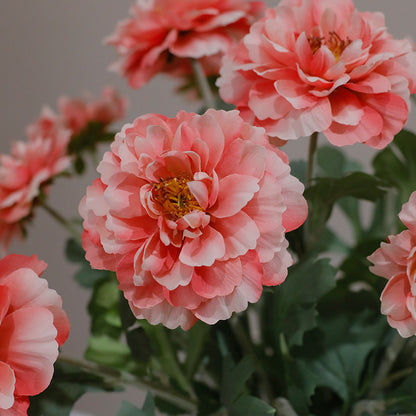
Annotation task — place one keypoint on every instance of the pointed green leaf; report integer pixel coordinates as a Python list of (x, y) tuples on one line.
[(293, 308), (234, 378), (250, 406)]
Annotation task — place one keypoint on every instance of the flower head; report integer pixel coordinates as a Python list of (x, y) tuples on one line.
[(396, 261), (191, 212), (25, 175), (162, 35), (322, 66), (32, 326)]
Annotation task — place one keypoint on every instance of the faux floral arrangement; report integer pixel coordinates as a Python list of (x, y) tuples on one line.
[(217, 283)]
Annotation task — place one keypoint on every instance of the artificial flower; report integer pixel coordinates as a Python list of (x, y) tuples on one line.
[(161, 35), (322, 66), (191, 212), (32, 326), (25, 175), (396, 261)]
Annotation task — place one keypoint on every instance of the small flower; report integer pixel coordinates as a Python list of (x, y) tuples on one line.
[(191, 212), (396, 261), (322, 66), (25, 175), (162, 35), (32, 326), (77, 113)]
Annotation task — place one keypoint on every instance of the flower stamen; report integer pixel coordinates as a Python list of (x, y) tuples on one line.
[(175, 197), (334, 43)]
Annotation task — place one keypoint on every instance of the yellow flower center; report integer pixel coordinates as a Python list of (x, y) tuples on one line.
[(175, 197), (334, 43)]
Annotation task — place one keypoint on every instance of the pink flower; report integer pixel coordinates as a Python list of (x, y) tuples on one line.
[(322, 66), (25, 175), (32, 326), (162, 35), (191, 212), (77, 113), (396, 261)]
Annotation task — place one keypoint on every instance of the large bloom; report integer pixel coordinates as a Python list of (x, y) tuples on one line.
[(191, 212), (396, 261), (32, 326), (322, 66), (25, 174), (162, 35)]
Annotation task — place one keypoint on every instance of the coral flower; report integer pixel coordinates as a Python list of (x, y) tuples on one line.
[(191, 212), (322, 66), (162, 35), (77, 113), (396, 261), (25, 175), (32, 326)]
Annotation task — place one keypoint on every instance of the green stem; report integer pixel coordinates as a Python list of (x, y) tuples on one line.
[(64, 222), (118, 377), (203, 85), (170, 360), (392, 351), (248, 348), (313, 144)]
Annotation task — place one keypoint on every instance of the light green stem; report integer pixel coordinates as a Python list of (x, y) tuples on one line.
[(203, 85), (392, 351), (64, 222), (313, 144), (248, 348), (170, 360), (118, 377)]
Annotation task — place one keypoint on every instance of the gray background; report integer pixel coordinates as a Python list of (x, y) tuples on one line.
[(49, 48)]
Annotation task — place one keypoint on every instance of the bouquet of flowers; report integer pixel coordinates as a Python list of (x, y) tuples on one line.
[(217, 283)]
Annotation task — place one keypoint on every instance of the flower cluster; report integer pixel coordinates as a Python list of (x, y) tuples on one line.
[(191, 212), (30, 167), (32, 326), (319, 66), (396, 261), (162, 35)]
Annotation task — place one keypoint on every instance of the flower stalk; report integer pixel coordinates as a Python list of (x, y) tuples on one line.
[(313, 145), (203, 85), (63, 221), (118, 377), (390, 356)]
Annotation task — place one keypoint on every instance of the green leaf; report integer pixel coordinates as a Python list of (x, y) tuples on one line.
[(294, 302), (334, 356), (107, 351), (197, 342), (74, 252), (148, 409), (331, 161), (104, 308), (298, 169), (396, 164), (85, 276), (326, 191), (402, 398), (69, 383), (234, 378), (250, 406), (127, 409)]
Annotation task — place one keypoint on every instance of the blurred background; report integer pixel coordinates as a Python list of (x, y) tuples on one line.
[(52, 48)]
